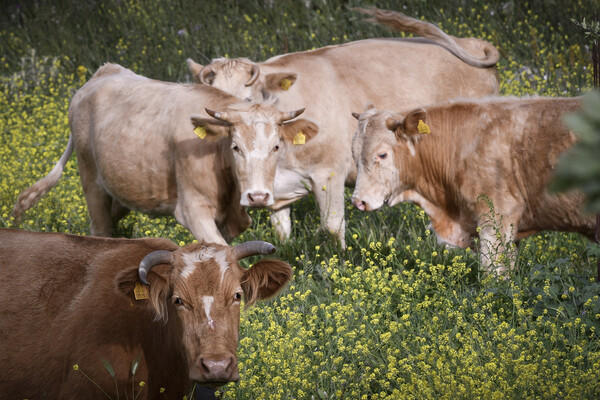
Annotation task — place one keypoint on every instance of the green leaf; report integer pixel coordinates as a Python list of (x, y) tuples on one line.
[(108, 367), (136, 363)]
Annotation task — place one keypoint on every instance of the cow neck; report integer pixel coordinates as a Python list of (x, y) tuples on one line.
[(433, 166)]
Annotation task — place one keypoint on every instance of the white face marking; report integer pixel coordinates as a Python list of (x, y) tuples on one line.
[(191, 259), (221, 259), (208, 301), (190, 266)]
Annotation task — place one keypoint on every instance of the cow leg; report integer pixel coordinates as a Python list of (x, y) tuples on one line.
[(200, 220), (282, 223), (99, 202), (118, 211), (329, 193), (497, 247)]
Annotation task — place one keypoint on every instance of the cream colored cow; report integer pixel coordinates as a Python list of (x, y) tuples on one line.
[(333, 81), (137, 149)]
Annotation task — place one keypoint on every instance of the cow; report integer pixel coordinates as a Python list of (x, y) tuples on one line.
[(141, 146), (333, 81), (84, 302), (482, 170)]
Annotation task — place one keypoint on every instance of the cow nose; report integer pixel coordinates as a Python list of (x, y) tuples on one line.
[(258, 199), (218, 368), (360, 204)]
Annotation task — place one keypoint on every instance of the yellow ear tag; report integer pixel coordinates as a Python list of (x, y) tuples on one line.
[(140, 291), (423, 128), (200, 132), (285, 84), (299, 138)]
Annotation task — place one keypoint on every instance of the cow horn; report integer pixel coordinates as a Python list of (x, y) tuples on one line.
[(291, 115), (221, 116), (252, 248), (204, 73), (152, 260), (392, 124), (255, 72)]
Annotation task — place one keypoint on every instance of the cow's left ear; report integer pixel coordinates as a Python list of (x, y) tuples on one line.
[(208, 127), (299, 132), (280, 81), (415, 123), (264, 279)]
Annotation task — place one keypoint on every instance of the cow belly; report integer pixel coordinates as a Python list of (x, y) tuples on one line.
[(145, 195)]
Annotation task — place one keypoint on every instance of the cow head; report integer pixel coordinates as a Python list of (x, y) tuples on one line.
[(241, 78), (201, 286), (260, 134), (381, 143)]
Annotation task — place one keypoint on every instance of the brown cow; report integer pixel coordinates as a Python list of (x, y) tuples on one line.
[(502, 148), (333, 81), (136, 149), (70, 300)]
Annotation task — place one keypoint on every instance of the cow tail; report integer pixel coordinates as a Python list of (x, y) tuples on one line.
[(404, 23), (31, 195)]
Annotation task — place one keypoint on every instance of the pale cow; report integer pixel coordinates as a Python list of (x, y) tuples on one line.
[(69, 302), (497, 152), (333, 81), (138, 150)]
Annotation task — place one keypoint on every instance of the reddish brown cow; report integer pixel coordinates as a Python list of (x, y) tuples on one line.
[(333, 81), (502, 148), (69, 300), (137, 150)]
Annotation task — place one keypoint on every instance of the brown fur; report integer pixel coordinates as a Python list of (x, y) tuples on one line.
[(503, 148), (69, 300)]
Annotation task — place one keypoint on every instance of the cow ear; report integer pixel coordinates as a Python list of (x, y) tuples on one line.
[(209, 128), (194, 69), (280, 81), (299, 131), (155, 295), (415, 123), (264, 279)]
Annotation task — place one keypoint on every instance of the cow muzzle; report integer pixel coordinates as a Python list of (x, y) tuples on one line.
[(215, 369), (257, 198), (360, 204)]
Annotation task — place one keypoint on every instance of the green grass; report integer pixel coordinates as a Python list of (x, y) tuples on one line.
[(392, 316)]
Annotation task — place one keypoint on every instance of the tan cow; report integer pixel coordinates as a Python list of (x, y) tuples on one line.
[(71, 300), (502, 148), (136, 149), (333, 81)]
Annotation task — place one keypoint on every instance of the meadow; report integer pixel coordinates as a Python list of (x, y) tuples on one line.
[(392, 316)]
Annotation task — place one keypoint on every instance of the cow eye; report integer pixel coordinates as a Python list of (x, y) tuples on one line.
[(237, 296), (235, 148), (276, 148), (382, 156), (177, 301)]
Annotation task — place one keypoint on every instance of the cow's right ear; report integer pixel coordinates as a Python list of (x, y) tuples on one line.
[(264, 279), (194, 69), (209, 128), (280, 81), (128, 282)]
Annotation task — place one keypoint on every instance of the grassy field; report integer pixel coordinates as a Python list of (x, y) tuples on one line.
[(392, 316)]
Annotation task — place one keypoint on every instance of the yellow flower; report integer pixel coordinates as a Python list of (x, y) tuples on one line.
[(75, 367)]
